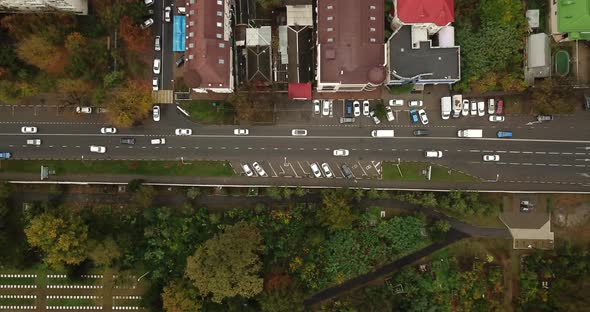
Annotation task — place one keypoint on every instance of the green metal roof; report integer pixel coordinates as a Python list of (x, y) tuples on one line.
[(573, 17)]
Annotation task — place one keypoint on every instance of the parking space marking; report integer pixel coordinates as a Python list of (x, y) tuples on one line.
[(305, 173), (294, 171), (273, 169), (364, 172)]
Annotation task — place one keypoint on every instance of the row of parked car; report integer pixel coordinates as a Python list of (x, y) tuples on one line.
[(465, 107)]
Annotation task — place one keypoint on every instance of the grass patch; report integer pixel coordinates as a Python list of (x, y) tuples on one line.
[(209, 112), (18, 281), (412, 171), (17, 302), (401, 89), (162, 168), (514, 104), (127, 302), (71, 302)]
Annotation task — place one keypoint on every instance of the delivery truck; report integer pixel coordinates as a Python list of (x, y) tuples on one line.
[(470, 133)]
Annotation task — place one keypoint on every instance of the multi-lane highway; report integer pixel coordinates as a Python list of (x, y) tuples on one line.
[(538, 156)]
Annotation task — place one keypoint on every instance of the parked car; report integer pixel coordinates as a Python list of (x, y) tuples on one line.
[(167, 14), (160, 141), (366, 108), (108, 130), (247, 170), (326, 108), (423, 117), (496, 118), (348, 110), (394, 102), (298, 132), (259, 170), (183, 131), (180, 61), (327, 171), (155, 84), (98, 149), (28, 129), (316, 107), (491, 157), (421, 132), (357, 108), (414, 116), (390, 116), (504, 134), (5, 155), (241, 131), (491, 106), (500, 107), (481, 108), (542, 118), (157, 44), (374, 117), (83, 109), (473, 108), (35, 142), (157, 66), (316, 170), (149, 2), (416, 103), (128, 141), (465, 110), (341, 152), (346, 171), (156, 112), (147, 23)]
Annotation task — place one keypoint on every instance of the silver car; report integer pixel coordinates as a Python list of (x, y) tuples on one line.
[(327, 171), (341, 152), (298, 132), (259, 169), (316, 170), (247, 170)]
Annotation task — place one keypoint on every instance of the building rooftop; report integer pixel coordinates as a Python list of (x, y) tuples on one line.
[(406, 62), (299, 58), (439, 12), (208, 50), (350, 41)]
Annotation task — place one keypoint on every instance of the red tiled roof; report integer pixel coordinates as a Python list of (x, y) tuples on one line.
[(211, 56), (300, 91), (439, 12), (351, 41)]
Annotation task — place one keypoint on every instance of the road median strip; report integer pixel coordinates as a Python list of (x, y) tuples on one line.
[(414, 171)]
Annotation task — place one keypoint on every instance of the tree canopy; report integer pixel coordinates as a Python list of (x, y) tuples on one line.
[(63, 240), (336, 211), (180, 296), (228, 265), (129, 104)]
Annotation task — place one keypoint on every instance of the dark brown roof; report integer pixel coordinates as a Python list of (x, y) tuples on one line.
[(210, 66), (351, 41)]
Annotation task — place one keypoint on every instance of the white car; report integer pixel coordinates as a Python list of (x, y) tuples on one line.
[(183, 131), (481, 108), (149, 2), (155, 84), (465, 110), (157, 44), (36, 142), (316, 106), (167, 14), (423, 117), (98, 149), (147, 23), (247, 170), (316, 170), (83, 109), (390, 116), (341, 152), (491, 157), (366, 108), (496, 118), (156, 112), (259, 169), (108, 130), (326, 108), (298, 132), (28, 129), (375, 119), (416, 103), (157, 66), (327, 171), (473, 108), (393, 102), (241, 132), (160, 141), (357, 108), (491, 107)]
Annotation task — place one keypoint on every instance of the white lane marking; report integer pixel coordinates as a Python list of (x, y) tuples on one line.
[(580, 153), (273, 170), (568, 153), (542, 153), (225, 148), (500, 151), (540, 164), (527, 164), (554, 165), (474, 151), (210, 147), (518, 152), (512, 163), (555, 153)]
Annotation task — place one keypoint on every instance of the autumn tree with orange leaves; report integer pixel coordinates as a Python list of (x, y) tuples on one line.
[(130, 104), (135, 38)]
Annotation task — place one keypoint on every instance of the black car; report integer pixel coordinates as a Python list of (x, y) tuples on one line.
[(180, 61), (346, 171), (586, 102), (421, 132), (129, 141), (348, 111)]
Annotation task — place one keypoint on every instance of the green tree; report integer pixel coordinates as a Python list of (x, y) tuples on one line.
[(74, 92), (284, 299), (228, 265), (380, 111), (336, 211), (144, 196), (552, 96), (104, 253), (269, 3), (62, 240), (300, 192), (180, 296), (193, 192), (274, 193)]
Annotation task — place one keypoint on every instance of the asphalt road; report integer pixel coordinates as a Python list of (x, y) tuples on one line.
[(164, 30), (552, 153)]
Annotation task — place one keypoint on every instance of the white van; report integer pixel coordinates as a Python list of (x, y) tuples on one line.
[(382, 133), (33, 141), (433, 154)]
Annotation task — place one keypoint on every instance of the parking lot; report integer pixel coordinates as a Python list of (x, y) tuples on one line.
[(364, 169)]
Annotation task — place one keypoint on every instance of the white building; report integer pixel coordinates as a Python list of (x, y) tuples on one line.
[(79, 7)]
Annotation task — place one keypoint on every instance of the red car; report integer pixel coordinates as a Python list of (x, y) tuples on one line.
[(500, 108)]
